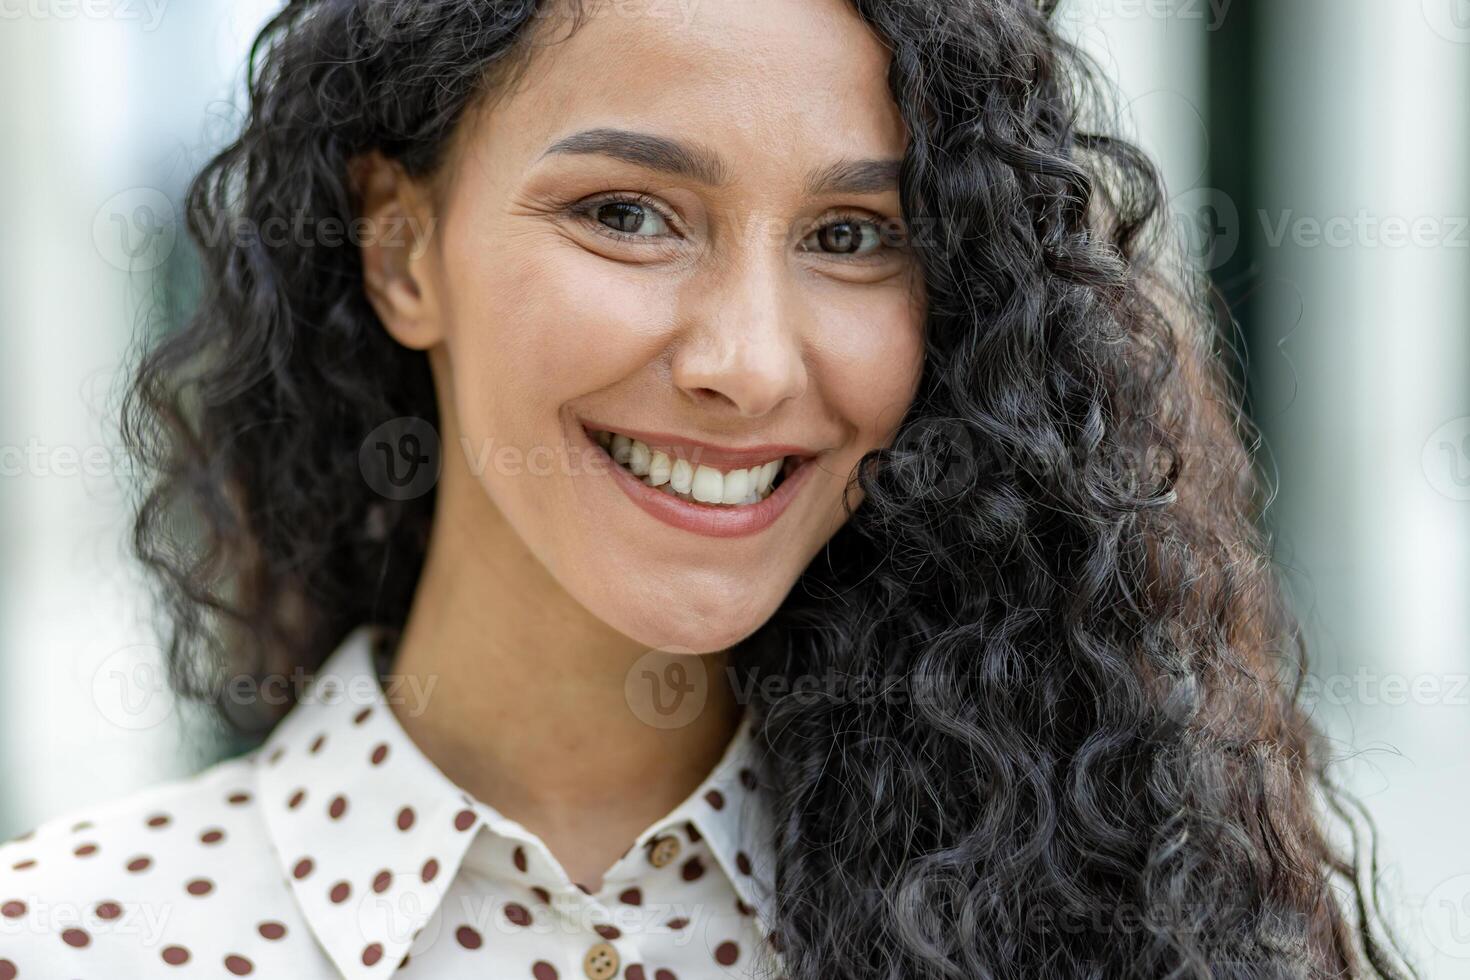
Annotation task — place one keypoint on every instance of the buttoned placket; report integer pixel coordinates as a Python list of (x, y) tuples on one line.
[(478, 833), (600, 948)]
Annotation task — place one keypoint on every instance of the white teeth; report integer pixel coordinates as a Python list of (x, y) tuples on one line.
[(737, 485), (679, 477), (639, 459), (709, 486), (659, 470), (766, 475)]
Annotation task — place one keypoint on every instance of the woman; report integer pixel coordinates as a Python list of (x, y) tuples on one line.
[(748, 497)]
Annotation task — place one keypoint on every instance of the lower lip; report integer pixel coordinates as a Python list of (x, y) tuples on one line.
[(709, 520)]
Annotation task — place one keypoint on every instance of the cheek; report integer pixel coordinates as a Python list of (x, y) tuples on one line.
[(541, 323), (871, 356)]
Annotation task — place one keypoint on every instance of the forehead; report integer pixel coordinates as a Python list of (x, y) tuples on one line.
[(767, 83)]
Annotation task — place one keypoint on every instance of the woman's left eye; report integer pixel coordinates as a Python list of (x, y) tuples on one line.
[(626, 217), (847, 236)]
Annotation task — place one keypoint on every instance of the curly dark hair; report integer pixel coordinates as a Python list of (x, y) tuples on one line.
[(1079, 750)]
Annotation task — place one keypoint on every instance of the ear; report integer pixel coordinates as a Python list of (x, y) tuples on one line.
[(395, 249)]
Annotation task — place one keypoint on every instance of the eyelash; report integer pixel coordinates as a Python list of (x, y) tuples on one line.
[(585, 210)]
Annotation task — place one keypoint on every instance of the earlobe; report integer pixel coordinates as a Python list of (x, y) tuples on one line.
[(395, 224)]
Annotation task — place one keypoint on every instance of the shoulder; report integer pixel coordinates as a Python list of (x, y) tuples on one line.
[(139, 883)]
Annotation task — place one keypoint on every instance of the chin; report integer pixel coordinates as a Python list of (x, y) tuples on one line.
[(679, 629)]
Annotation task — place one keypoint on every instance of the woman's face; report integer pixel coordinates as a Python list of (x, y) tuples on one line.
[(681, 224)]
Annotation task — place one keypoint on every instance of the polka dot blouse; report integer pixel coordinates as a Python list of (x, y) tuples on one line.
[(337, 849)]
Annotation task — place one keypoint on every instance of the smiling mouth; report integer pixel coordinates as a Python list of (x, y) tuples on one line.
[(691, 482)]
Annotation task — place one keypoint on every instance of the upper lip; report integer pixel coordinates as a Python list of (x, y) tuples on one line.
[(698, 452)]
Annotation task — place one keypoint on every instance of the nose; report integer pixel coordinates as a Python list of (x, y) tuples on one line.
[(743, 352)]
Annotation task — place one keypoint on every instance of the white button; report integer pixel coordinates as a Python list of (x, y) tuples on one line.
[(601, 962), (664, 850)]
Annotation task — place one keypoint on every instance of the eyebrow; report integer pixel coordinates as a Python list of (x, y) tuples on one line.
[(701, 164)]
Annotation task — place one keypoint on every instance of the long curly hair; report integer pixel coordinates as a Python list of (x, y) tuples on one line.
[(1068, 741)]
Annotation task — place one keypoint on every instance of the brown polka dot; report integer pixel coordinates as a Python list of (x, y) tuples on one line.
[(339, 893), (159, 820), (517, 914), (200, 886), (715, 799), (271, 930), (464, 820), (358, 719), (13, 910), (634, 972), (748, 780), (76, 937), (693, 869), (430, 869), (379, 754), (337, 807), (212, 836), (742, 862), (303, 868), (175, 955), (664, 975), (632, 896), (382, 880), (108, 910), (85, 850), (777, 943), (519, 858), (543, 970), (582, 888), (371, 953), (238, 798), (22, 865), (275, 756), (316, 744), (467, 937), (727, 953), (405, 818), (678, 923), (742, 908), (238, 965), (542, 895), (7, 970), (694, 835), (81, 825), (296, 799), (140, 863), (608, 932)]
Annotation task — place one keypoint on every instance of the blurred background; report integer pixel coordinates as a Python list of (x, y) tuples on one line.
[(1318, 158)]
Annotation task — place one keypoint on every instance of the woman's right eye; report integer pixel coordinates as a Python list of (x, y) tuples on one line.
[(625, 217)]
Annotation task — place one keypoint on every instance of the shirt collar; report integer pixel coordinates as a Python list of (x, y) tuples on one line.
[(369, 833)]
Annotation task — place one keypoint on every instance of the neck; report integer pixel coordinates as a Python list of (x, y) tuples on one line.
[(527, 705)]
